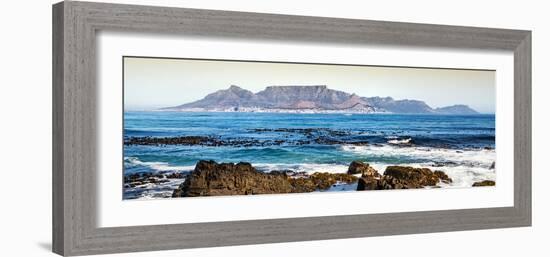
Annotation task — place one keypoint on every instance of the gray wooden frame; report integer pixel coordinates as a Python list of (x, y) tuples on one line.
[(74, 128)]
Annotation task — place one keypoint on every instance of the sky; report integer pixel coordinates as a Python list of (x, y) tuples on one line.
[(151, 83)]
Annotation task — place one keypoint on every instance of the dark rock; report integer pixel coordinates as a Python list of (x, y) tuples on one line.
[(176, 175), (314, 136), (281, 172), (320, 181), (369, 176), (402, 177), (302, 184), (412, 177), (359, 167), (492, 166), (324, 180), (185, 140), (367, 183), (388, 182), (484, 183), (443, 177), (444, 163), (141, 180), (212, 179)]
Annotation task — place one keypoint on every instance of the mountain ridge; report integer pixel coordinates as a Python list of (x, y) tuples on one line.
[(310, 98)]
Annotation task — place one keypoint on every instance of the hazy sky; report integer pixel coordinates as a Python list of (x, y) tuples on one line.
[(152, 83)]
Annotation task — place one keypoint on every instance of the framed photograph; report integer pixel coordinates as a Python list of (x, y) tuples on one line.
[(183, 128)]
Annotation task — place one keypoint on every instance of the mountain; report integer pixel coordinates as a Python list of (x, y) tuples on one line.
[(231, 97), (456, 109), (399, 106), (317, 98)]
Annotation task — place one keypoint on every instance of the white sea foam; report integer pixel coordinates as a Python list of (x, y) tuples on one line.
[(464, 167), (152, 191), (399, 141), (157, 166), (309, 168), (474, 157), (340, 186)]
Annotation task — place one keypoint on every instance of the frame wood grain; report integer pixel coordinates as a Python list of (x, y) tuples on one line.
[(75, 25)]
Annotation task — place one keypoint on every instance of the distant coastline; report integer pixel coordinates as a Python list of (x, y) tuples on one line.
[(274, 110), (309, 99), (289, 111)]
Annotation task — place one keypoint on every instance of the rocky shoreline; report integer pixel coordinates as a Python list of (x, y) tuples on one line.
[(210, 178), (216, 179)]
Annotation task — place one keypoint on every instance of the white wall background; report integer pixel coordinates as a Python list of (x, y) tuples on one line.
[(25, 130)]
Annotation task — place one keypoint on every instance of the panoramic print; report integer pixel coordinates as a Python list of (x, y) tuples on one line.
[(196, 127)]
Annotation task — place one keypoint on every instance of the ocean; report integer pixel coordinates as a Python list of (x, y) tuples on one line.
[(463, 146)]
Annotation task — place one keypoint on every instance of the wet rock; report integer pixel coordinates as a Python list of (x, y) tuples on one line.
[(484, 183), (292, 136), (443, 164), (324, 180), (443, 177), (302, 185), (389, 182), (369, 176), (412, 177), (146, 178), (185, 140), (212, 179), (322, 140), (359, 167), (282, 172), (176, 175), (367, 183), (319, 181), (402, 177)]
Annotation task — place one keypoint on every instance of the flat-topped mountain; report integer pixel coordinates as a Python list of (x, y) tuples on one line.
[(316, 98)]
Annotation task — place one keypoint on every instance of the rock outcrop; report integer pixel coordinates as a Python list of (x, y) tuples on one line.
[(484, 183), (320, 181), (402, 177), (215, 179), (359, 167), (145, 178), (212, 179)]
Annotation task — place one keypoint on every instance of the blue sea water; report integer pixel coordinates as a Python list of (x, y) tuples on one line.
[(460, 145)]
